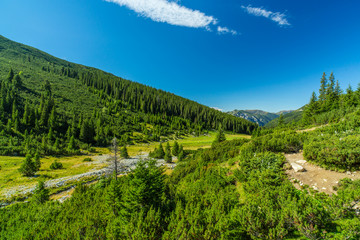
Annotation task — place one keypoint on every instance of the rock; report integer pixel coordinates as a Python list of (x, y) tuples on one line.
[(297, 167), (302, 162), (348, 173), (315, 188)]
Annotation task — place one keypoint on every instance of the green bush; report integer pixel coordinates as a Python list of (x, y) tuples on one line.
[(87, 159), (56, 165)]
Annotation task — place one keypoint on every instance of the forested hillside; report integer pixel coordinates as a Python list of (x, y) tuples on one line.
[(238, 189), (234, 190), (52, 106)]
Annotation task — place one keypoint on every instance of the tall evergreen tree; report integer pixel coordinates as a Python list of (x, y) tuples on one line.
[(167, 156), (175, 149), (10, 76), (322, 91), (87, 132), (220, 137), (17, 82), (28, 167), (72, 144), (124, 152), (41, 194)]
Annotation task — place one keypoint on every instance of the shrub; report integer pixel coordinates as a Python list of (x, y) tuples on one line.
[(56, 165), (87, 159), (28, 168)]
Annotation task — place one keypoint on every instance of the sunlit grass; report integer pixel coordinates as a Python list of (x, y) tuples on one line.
[(10, 175), (73, 165), (189, 143)]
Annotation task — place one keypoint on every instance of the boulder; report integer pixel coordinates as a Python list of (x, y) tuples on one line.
[(297, 167), (302, 162)]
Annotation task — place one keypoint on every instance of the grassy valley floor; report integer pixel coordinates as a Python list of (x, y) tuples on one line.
[(13, 185)]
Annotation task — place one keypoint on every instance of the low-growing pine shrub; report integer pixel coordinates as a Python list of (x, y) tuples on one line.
[(56, 165)]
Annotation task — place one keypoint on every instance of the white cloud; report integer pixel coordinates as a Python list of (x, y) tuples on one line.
[(217, 109), (171, 12), (224, 30), (168, 12), (277, 17)]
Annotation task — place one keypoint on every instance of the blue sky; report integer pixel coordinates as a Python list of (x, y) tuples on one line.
[(243, 54)]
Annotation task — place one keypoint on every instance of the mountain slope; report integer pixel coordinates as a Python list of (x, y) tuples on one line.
[(294, 116), (257, 116), (89, 105)]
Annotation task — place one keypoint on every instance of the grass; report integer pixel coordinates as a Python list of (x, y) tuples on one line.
[(10, 176), (189, 143)]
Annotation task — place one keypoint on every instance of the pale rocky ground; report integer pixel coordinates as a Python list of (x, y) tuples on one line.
[(316, 177), (124, 166)]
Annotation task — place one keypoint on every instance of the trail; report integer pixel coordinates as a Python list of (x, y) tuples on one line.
[(316, 177)]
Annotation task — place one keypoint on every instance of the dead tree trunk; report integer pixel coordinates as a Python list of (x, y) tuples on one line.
[(115, 158)]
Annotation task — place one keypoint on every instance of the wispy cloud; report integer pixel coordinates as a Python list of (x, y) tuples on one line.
[(224, 30), (216, 108), (171, 12), (279, 18)]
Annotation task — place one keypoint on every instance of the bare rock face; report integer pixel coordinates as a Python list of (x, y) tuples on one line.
[(297, 167)]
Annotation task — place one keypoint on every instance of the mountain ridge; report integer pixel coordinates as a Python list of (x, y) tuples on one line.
[(257, 116)]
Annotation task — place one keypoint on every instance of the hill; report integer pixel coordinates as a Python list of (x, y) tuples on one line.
[(237, 189), (47, 101), (257, 116), (288, 117)]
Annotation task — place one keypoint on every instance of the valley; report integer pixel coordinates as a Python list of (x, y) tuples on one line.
[(184, 170)]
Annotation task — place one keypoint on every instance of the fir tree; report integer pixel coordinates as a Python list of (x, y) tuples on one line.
[(220, 137), (181, 155), (17, 82), (175, 149), (28, 168), (322, 91), (87, 132), (41, 194), (124, 153), (167, 156), (72, 145), (37, 162), (52, 118), (10, 75)]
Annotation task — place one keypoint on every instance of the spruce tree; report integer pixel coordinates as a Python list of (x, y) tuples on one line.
[(322, 91), (52, 118), (37, 162), (72, 145), (167, 156), (181, 155), (10, 75), (41, 194), (28, 168), (87, 132), (124, 152), (220, 137), (160, 151), (17, 82), (175, 149)]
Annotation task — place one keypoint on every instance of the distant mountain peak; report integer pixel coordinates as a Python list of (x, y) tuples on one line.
[(259, 117)]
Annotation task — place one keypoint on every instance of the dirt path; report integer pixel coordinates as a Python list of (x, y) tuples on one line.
[(315, 176), (311, 129)]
